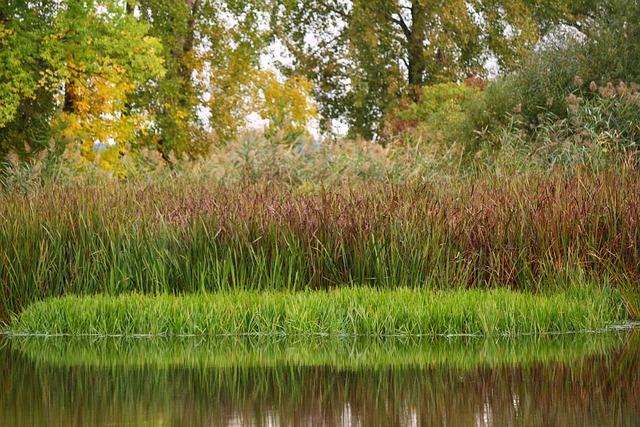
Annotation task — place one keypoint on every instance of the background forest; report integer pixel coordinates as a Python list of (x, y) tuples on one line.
[(119, 88)]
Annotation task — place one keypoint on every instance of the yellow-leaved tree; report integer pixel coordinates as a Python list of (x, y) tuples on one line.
[(117, 57), (287, 105), (72, 68)]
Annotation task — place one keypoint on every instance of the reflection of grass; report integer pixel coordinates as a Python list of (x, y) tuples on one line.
[(339, 352), (630, 293), (351, 311), (555, 380)]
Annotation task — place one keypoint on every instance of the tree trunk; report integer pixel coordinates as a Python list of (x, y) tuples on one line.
[(416, 57), (70, 95), (186, 47)]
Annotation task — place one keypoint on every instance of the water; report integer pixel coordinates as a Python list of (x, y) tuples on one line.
[(556, 380)]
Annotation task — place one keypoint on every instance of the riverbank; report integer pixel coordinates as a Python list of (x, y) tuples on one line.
[(348, 311)]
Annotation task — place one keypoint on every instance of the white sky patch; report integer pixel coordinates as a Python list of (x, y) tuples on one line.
[(560, 35)]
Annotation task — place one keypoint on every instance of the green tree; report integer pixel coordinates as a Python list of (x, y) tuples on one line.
[(613, 45), (380, 50), (70, 69), (211, 49), (26, 103)]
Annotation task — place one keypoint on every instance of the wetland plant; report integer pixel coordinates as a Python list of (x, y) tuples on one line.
[(536, 233)]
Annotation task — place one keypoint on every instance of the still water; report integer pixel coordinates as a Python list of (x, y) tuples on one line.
[(554, 380)]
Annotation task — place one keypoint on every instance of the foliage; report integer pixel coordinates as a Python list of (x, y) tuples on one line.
[(436, 117), (560, 103), (612, 49), (581, 125), (286, 105), (210, 52), (533, 94), (99, 80), (179, 77), (161, 74), (25, 99), (78, 70), (379, 51)]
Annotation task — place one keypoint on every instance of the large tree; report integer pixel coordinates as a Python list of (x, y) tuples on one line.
[(25, 104), (364, 54), (67, 71), (165, 73), (211, 52)]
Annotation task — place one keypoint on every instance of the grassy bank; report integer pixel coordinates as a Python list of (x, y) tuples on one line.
[(348, 311), (530, 233)]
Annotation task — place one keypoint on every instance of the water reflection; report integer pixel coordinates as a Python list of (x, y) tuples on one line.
[(565, 380)]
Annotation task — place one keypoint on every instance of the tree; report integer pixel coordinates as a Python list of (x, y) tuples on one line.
[(287, 106), (613, 45), (173, 74), (26, 104), (380, 50), (211, 51), (104, 57), (70, 69)]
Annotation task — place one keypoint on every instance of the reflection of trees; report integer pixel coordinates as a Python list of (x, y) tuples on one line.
[(597, 390)]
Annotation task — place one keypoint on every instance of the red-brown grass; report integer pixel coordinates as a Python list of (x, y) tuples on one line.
[(534, 233)]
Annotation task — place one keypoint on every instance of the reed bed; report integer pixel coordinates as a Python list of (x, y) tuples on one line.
[(347, 311), (534, 233)]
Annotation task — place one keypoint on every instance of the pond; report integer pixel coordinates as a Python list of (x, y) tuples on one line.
[(583, 379)]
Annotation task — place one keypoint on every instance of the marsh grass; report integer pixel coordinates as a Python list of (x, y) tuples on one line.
[(346, 311), (536, 234)]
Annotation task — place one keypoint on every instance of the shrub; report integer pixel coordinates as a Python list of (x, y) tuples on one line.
[(436, 117)]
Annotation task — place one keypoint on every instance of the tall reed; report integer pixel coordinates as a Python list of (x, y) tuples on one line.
[(532, 233)]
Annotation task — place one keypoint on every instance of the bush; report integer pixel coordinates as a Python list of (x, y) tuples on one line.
[(437, 116), (612, 53), (536, 91)]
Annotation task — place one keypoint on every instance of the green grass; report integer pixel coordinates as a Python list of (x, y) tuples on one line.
[(347, 311)]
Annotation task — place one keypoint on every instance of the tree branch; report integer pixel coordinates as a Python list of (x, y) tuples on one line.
[(401, 22), (333, 9)]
